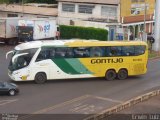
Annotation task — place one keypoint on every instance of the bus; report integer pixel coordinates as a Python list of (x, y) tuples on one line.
[(66, 59)]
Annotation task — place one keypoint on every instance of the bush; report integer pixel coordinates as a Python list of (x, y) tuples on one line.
[(68, 32)]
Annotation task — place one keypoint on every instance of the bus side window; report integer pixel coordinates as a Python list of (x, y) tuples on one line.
[(128, 51), (115, 51), (69, 53), (60, 52), (43, 55), (108, 53), (139, 50), (81, 52), (52, 53), (97, 51)]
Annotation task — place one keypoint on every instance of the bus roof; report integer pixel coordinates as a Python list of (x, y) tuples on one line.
[(75, 43)]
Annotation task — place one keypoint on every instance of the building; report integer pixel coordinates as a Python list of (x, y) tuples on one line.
[(121, 17), (90, 13), (137, 17), (14, 10)]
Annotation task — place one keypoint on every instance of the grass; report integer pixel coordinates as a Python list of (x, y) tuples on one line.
[(153, 54)]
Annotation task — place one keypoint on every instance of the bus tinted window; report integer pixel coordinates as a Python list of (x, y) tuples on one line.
[(115, 51), (69, 53), (139, 50), (44, 54), (81, 52), (128, 51), (52, 53), (60, 52), (97, 51)]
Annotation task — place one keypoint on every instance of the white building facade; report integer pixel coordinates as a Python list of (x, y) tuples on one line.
[(99, 14)]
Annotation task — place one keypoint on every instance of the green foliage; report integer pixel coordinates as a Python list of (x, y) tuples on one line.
[(4, 1), (68, 32)]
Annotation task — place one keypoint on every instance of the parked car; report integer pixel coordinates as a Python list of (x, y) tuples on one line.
[(7, 88)]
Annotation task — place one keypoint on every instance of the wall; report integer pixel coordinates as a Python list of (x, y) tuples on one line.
[(5, 14), (96, 12), (127, 5)]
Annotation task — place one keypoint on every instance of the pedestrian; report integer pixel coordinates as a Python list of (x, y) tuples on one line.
[(131, 37), (57, 34)]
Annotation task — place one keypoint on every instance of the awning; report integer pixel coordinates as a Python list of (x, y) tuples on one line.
[(137, 23)]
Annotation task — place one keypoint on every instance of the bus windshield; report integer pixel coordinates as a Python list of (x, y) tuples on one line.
[(22, 60)]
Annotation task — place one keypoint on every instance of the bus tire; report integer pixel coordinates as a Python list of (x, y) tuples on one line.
[(40, 78), (122, 74), (110, 75)]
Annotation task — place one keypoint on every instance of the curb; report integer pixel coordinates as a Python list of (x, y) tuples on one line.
[(154, 58), (124, 105)]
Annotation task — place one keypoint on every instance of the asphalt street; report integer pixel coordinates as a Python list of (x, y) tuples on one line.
[(80, 96)]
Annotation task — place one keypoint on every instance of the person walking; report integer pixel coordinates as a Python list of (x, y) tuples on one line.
[(131, 37), (57, 34)]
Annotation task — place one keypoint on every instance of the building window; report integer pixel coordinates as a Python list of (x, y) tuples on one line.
[(109, 11), (135, 11), (68, 7), (12, 15), (88, 9)]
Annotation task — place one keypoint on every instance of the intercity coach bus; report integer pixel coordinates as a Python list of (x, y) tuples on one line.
[(66, 59)]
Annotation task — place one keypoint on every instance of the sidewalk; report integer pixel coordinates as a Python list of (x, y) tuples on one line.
[(145, 110), (143, 107), (150, 106)]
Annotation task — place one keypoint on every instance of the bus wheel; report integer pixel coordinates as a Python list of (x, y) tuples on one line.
[(40, 78), (122, 74), (110, 75)]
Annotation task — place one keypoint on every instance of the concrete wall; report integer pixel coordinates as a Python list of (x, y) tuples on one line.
[(5, 14), (96, 12), (127, 5)]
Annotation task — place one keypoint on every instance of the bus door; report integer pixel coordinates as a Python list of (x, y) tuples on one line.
[(42, 63)]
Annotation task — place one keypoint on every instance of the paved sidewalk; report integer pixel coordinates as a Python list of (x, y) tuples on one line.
[(146, 110), (151, 106)]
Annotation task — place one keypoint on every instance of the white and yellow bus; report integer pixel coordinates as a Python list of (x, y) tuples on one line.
[(66, 59)]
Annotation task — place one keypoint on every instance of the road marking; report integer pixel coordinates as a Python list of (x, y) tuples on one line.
[(4, 102), (62, 104), (108, 99), (86, 108), (55, 106)]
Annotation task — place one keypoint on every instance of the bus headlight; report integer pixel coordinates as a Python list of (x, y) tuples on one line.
[(24, 77)]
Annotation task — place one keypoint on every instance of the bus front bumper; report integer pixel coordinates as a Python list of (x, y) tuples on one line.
[(16, 76)]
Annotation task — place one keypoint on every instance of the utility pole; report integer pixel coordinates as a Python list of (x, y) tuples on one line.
[(156, 45), (145, 12), (144, 37), (22, 8)]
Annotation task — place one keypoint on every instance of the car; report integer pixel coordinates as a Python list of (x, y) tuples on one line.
[(7, 88)]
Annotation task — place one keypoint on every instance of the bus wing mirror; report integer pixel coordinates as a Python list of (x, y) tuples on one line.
[(8, 53), (14, 57)]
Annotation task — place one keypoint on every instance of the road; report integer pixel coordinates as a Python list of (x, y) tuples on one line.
[(82, 96)]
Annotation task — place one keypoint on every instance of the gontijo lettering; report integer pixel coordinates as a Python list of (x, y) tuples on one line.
[(99, 61)]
